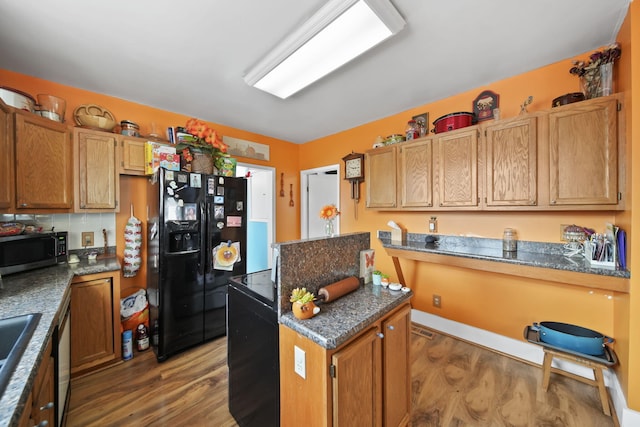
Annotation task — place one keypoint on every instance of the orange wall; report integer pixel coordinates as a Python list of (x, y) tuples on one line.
[(498, 303), (283, 155)]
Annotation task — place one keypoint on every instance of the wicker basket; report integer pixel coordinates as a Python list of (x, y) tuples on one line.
[(202, 163)]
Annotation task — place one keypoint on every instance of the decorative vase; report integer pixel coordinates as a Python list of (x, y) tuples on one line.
[(306, 310), (201, 163), (590, 83), (377, 279), (606, 79), (328, 228)]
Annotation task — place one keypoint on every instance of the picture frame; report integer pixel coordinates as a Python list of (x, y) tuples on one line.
[(484, 104), (423, 123), (244, 148)]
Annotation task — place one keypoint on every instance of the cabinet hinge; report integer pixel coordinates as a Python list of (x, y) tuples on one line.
[(619, 196), (619, 106), (485, 133), (115, 143), (332, 370)]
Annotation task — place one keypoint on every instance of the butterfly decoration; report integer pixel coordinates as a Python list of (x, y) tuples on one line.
[(367, 264)]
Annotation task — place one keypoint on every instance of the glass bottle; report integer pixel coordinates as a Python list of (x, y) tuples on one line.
[(412, 131), (509, 240)]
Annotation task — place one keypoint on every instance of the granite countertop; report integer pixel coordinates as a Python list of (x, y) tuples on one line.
[(340, 320), (38, 291), (534, 254)]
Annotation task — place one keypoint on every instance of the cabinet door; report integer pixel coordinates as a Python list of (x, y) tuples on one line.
[(396, 356), (92, 331), (357, 388), (97, 178), (416, 174), (6, 165), (511, 164), (44, 171), (43, 392), (583, 153), (380, 177), (458, 169), (132, 156)]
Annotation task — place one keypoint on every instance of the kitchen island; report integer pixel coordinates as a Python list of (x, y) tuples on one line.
[(350, 361), (39, 291)]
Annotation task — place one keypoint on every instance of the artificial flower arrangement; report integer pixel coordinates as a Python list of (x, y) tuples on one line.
[(589, 72), (329, 212), (201, 138)]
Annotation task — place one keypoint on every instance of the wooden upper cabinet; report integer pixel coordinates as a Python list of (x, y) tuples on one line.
[(97, 179), (43, 163), (511, 162), (132, 156), (380, 177), (415, 174), (583, 153), (458, 168), (6, 165)]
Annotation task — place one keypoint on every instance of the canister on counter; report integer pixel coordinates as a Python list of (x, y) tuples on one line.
[(127, 345), (509, 240), (129, 128)]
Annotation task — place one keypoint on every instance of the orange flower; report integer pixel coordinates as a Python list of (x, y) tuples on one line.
[(329, 212)]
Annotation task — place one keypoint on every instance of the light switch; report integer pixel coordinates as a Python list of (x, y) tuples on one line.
[(299, 362)]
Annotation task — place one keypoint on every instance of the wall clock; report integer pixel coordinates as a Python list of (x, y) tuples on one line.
[(354, 172)]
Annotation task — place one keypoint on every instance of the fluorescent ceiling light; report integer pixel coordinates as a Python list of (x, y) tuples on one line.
[(339, 32)]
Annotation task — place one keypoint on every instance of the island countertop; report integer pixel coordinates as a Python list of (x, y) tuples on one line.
[(345, 317), (38, 291)]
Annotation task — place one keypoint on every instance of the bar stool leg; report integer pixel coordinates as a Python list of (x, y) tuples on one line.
[(597, 372), (546, 370)]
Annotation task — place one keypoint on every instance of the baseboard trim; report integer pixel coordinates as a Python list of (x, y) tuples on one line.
[(528, 352)]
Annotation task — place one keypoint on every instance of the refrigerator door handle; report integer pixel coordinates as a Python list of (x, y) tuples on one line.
[(192, 251)]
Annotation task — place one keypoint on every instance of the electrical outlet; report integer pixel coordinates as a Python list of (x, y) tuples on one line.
[(437, 301), (87, 238), (299, 362)]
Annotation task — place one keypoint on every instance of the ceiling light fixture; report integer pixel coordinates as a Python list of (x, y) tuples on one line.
[(339, 32)]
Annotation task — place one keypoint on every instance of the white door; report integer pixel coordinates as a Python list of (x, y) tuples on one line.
[(322, 185), (260, 215)]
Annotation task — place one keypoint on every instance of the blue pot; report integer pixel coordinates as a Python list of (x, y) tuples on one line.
[(572, 337)]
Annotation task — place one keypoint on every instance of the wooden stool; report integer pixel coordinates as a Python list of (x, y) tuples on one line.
[(597, 368)]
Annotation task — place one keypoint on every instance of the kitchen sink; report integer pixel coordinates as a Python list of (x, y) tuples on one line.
[(15, 333)]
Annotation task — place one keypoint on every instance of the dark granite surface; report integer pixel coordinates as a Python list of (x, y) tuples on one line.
[(314, 263), (534, 254), (340, 320), (38, 291)]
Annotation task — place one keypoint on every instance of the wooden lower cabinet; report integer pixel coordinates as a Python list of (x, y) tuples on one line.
[(364, 382), (42, 406), (95, 322)]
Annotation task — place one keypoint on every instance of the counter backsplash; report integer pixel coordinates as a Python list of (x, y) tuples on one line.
[(313, 263)]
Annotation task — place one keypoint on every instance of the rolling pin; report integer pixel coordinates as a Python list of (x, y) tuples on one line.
[(338, 289)]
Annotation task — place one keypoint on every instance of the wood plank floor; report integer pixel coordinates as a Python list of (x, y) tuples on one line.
[(455, 384)]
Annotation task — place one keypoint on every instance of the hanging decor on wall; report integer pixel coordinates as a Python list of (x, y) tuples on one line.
[(484, 104)]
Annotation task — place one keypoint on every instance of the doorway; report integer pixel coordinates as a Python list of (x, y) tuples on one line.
[(320, 187), (260, 214)]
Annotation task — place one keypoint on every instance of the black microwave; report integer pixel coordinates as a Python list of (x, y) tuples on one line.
[(29, 251)]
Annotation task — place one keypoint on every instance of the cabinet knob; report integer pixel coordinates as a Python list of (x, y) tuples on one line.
[(380, 335), (391, 327), (47, 406), (24, 205), (532, 202), (553, 202), (43, 423)]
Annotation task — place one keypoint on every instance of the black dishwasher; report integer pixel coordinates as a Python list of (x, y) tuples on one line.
[(252, 350)]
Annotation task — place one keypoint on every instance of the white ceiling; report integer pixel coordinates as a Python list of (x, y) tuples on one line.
[(190, 56)]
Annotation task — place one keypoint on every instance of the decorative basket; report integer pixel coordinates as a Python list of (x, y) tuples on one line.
[(202, 163)]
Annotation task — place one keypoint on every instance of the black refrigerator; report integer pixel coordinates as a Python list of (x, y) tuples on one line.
[(196, 234)]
